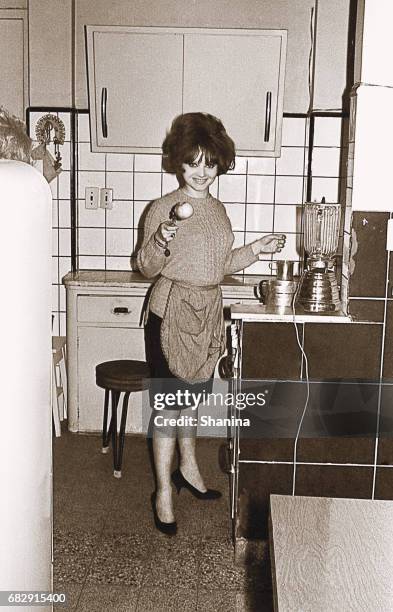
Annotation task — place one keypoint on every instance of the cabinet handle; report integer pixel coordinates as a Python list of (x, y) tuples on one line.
[(268, 115), (121, 310), (104, 100)]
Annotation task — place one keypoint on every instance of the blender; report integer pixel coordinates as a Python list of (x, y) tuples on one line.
[(318, 290)]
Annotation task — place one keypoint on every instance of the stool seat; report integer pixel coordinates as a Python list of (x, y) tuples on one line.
[(122, 375), (116, 377)]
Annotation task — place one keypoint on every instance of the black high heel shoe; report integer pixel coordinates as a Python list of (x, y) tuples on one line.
[(167, 528), (179, 481)]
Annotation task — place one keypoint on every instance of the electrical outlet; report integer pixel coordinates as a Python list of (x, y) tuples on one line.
[(106, 198), (92, 197)]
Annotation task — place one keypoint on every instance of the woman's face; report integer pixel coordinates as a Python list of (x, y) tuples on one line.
[(198, 175)]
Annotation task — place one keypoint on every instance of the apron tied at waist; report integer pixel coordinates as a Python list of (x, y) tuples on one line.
[(193, 331)]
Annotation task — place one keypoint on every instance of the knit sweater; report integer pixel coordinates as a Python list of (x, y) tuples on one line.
[(201, 252)]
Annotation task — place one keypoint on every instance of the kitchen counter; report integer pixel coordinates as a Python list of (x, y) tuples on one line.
[(260, 312), (238, 284)]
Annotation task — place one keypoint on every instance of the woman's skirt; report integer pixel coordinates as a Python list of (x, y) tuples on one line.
[(167, 391)]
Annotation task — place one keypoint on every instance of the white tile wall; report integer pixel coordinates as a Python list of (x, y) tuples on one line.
[(259, 194)]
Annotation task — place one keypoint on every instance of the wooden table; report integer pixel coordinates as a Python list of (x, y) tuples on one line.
[(331, 555)]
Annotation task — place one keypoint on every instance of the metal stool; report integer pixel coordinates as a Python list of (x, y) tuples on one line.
[(117, 377)]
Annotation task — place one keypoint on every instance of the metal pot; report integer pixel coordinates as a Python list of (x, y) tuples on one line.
[(284, 269), (277, 294)]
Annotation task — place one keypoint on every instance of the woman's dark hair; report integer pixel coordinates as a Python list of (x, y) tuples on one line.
[(191, 134)]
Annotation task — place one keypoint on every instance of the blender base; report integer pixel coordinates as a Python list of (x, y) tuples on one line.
[(319, 291)]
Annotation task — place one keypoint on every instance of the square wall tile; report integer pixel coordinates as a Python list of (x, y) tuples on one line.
[(388, 352), (291, 162), (259, 217), (87, 262), (327, 188), (91, 241), (64, 266), (261, 165), (90, 218), (119, 242), (148, 163), (119, 162), (260, 189), (53, 185), (326, 161), (260, 362), (368, 255), (118, 263), (121, 215), (147, 186), (83, 127), (232, 188), (169, 183), (293, 131), (140, 210), (55, 242), (88, 160), (285, 218), (64, 211), (327, 131), (343, 351), (121, 183), (55, 269), (64, 179), (89, 179), (236, 213), (334, 481), (289, 190), (240, 166), (260, 267), (55, 212), (65, 242), (239, 240)]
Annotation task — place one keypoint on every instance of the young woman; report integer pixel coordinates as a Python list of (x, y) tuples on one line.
[(185, 327)]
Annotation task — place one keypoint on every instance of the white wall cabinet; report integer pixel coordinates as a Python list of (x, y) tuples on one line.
[(141, 78), (13, 61)]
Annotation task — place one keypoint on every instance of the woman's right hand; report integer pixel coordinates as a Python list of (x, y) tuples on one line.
[(166, 231)]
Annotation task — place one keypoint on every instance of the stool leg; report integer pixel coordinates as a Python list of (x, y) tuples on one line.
[(105, 431), (115, 395), (117, 459)]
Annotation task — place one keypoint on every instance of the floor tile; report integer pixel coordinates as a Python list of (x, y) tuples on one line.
[(174, 600), (72, 592), (69, 569), (78, 541), (116, 570), (97, 598)]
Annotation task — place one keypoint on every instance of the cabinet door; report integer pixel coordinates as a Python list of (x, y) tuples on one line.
[(95, 345), (13, 61), (239, 77), (135, 81)]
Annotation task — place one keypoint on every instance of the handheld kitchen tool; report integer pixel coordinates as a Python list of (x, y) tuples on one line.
[(179, 212)]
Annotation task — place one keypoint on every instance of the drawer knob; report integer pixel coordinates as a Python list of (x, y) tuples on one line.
[(121, 310)]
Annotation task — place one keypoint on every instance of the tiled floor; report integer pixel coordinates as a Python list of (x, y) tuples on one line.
[(108, 556)]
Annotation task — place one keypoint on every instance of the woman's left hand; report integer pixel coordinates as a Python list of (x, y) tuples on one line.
[(272, 243)]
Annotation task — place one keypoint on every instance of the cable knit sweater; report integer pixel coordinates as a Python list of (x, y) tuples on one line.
[(200, 254)]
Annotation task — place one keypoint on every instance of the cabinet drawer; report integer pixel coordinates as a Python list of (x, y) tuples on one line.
[(110, 309)]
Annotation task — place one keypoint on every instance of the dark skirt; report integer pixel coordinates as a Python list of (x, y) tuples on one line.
[(164, 382)]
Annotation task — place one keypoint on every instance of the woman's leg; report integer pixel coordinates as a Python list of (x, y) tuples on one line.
[(164, 444), (187, 447)]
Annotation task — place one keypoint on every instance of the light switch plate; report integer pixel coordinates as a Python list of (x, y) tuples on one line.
[(106, 198), (92, 197)]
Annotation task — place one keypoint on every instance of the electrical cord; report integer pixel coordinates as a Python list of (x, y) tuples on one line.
[(307, 381)]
